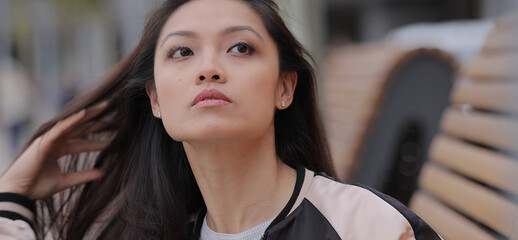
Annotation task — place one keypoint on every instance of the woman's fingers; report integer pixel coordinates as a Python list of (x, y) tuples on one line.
[(94, 111), (36, 172), (76, 146), (91, 127), (78, 178), (68, 124), (90, 113), (48, 140)]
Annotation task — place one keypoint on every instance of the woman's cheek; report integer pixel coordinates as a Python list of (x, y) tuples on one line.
[(261, 101), (173, 101), (174, 130)]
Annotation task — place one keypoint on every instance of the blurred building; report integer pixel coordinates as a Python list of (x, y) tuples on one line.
[(63, 47)]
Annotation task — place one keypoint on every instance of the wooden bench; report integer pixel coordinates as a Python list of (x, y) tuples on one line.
[(358, 81), (469, 188)]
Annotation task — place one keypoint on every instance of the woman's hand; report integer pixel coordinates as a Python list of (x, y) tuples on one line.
[(36, 173)]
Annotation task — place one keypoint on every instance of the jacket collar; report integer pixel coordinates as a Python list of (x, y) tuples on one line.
[(295, 200)]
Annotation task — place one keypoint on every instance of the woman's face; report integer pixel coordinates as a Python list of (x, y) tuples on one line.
[(217, 73)]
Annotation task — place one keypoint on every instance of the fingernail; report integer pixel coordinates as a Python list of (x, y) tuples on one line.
[(80, 112), (104, 103)]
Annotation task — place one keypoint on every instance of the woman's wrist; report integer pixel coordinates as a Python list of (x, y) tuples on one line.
[(8, 188)]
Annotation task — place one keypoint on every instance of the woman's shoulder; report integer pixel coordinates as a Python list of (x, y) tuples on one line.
[(359, 211), (326, 191)]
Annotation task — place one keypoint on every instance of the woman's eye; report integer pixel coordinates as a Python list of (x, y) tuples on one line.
[(242, 48), (180, 52)]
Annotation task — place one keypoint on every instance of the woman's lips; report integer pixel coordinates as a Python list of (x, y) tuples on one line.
[(210, 98)]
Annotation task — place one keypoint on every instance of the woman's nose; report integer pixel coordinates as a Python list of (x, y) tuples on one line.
[(210, 70), (214, 77)]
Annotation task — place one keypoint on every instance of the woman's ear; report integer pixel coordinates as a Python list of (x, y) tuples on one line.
[(153, 98), (286, 89)]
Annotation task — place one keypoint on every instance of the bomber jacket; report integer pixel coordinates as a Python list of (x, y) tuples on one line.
[(324, 208), (320, 208)]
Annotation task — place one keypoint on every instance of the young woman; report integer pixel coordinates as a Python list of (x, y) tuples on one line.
[(207, 130)]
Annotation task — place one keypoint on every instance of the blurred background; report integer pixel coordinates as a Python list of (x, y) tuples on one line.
[(418, 96)]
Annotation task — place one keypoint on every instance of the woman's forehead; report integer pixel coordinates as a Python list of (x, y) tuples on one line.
[(213, 15)]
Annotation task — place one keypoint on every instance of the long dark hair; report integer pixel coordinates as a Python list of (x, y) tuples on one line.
[(149, 190)]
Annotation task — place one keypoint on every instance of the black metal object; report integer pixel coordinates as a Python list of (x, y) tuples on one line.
[(406, 160), (409, 113)]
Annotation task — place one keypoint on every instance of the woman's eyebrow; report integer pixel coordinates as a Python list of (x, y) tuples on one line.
[(229, 30), (188, 34), (233, 29)]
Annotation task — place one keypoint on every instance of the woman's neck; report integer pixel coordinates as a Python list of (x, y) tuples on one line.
[(243, 183)]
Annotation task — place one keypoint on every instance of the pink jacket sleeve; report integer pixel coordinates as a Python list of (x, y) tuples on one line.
[(15, 229), (16, 217)]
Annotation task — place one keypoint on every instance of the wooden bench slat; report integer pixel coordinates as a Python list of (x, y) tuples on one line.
[(343, 156), (339, 112), (507, 20), (498, 67), (346, 138), (490, 129), (471, 199), (475, 162), (445, 221), (373, 72), (503, 37), (501, 41), (495, 96), (362, 55), (354, 102), (345, 87)]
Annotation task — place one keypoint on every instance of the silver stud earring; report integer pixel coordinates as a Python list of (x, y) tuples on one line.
[(159, 114), (283, 104)]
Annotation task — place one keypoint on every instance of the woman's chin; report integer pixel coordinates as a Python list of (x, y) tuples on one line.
[(218, 137)]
